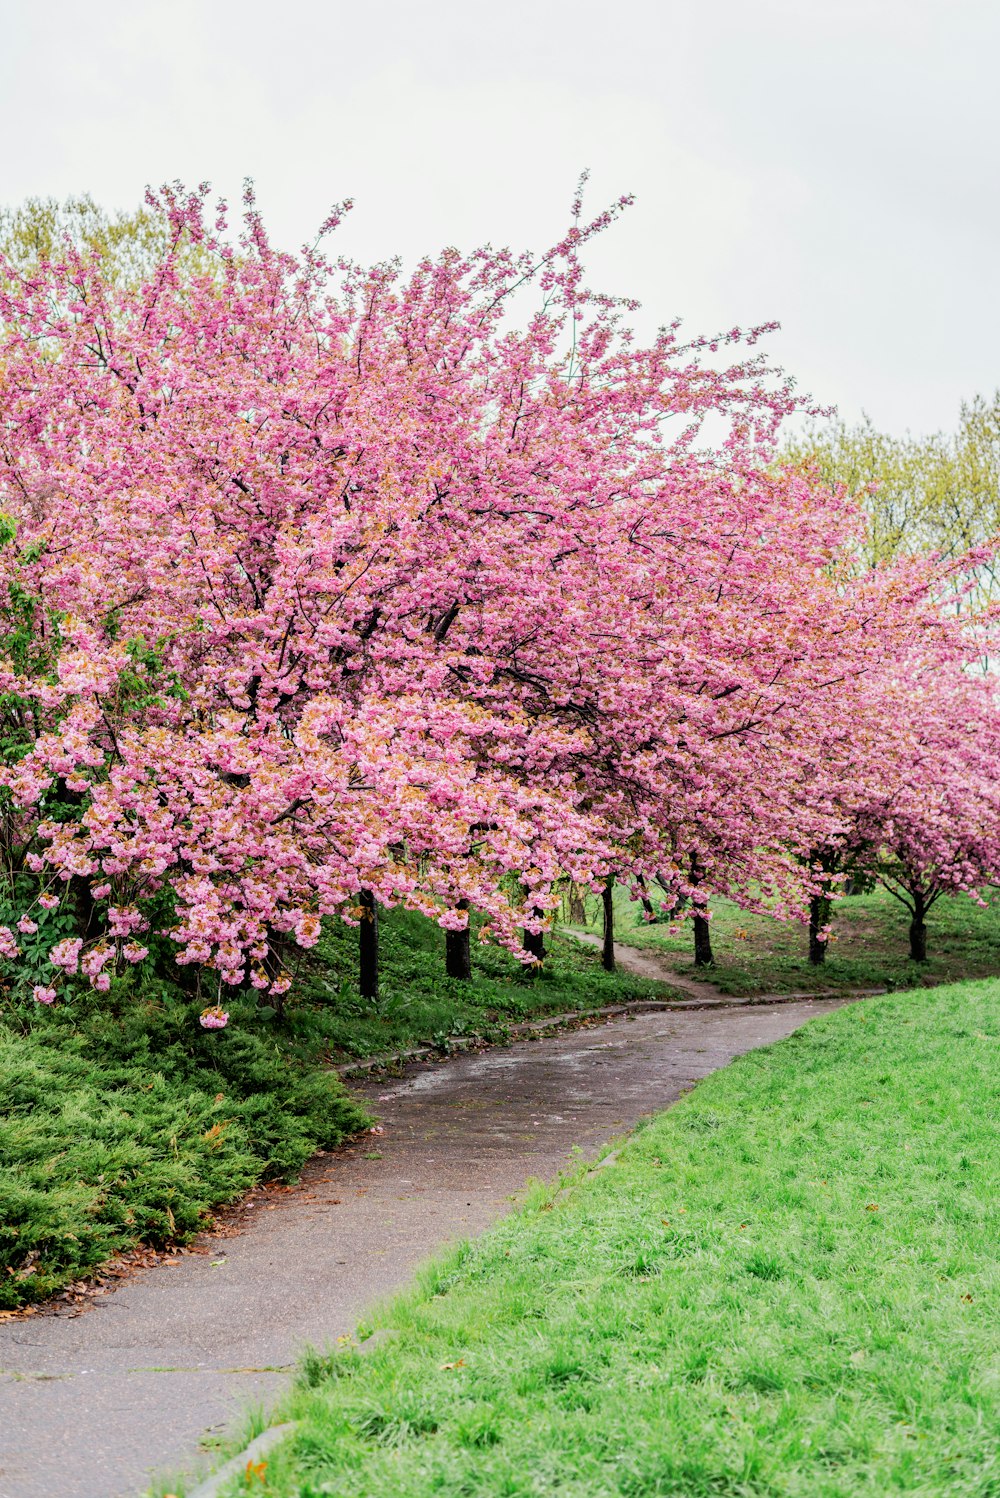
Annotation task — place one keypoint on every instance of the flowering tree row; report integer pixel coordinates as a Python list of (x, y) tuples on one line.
[(327, 587)]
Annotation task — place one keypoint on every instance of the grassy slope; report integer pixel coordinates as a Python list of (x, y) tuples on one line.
[(120, 1130), (786, 1287), (756, 954), (418, 1003)]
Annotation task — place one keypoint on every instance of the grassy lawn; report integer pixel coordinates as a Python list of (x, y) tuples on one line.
[(786, 1285), (870, 949), (127, 1124)]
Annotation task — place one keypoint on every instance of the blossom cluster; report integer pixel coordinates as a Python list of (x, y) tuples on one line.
[(320, 579)]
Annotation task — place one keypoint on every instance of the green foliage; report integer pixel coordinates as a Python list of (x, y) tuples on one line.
[(17, 892), (122, 1121), (419, 1004), (938, 493), (131, 244), (785, 1287), (118, 1129)]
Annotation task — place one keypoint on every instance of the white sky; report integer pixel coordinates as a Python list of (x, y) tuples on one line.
[(830, 163)]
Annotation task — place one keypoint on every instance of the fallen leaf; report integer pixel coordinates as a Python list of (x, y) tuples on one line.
[(459, 1364)]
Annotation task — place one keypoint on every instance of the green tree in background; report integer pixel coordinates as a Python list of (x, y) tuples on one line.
[(131, 244), (939, 493)]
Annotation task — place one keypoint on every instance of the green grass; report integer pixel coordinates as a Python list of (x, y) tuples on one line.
[(418, 1004), (126, 1123), (115, 1132), (785, 1287), (756, 954)]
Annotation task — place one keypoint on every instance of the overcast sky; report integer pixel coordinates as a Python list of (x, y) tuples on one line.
[(832, 165)]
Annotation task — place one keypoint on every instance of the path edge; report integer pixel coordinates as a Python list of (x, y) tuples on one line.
[(390, 1060), (263, 1443)]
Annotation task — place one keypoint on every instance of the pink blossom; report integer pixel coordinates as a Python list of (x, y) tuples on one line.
[(66, 954), (454, 617), (214, 1018), (43, 995)]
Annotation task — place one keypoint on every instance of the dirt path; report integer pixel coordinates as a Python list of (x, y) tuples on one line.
[(91, 1407), (656, 965), (652, 965)]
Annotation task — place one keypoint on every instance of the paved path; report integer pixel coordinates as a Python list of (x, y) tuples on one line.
[(91, 1407)]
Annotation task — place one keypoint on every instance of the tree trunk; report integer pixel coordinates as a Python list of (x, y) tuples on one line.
[(608, 947), (368, 946), (458, 951), (918, 931), (577, 909), (702, 936), (535, 941), (702, 942), (819, 915)]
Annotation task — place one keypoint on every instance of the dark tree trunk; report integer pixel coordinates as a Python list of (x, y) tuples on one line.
[(702, 942), (702, 935), (534, 941), (918, 931), (83, 900), (368, 946), (608, 946), (458, 951), (819, 915)]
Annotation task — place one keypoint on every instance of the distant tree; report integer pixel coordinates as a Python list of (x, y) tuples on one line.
[(936, 493), (129, 245)]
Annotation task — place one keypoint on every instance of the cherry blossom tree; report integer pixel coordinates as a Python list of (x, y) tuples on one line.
[(329, 587)]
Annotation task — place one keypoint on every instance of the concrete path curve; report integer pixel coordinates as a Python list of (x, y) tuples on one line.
[(92, 1407)]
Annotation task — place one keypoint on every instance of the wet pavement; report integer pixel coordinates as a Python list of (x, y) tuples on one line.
[(93, 1406)]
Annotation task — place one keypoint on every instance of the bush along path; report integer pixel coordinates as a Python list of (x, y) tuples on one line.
[(124, 1125), (90, 1406), (784, 1287)]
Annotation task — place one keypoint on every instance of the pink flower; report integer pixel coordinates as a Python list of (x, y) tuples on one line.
[(101, 891), (102, 982), (66, 954), (48, 902), (43, 995), (27, 925), (214, 1018)]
